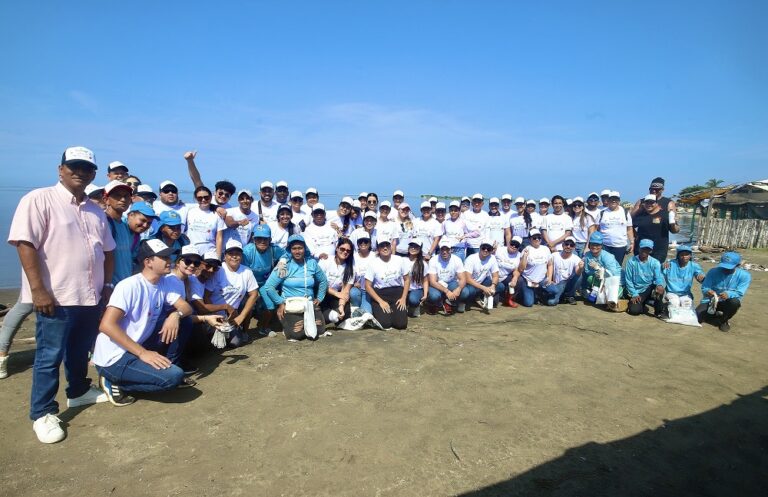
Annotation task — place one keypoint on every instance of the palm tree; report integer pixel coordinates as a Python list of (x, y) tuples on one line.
[(713, 183)]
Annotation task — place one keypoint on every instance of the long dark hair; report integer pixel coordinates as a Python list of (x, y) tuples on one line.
[(203, 188), (527, 217), (349, 268), (417, 271)]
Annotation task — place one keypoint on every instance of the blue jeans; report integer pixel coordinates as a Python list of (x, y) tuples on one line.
[(471, 250), (475, 293), (526, 293), (435, 296), (414, 297), (11, 324), (175, 349), (460, 252), (617, 252), (358, 297), (66, 336), (133, 375), (566, 287), (580, 248)]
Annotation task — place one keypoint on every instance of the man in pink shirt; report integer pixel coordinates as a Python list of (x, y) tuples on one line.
[(65, 248)]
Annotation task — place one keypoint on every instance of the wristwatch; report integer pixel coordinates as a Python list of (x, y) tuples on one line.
[(180, 313)]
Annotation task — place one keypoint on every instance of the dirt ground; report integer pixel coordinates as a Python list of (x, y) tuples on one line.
[(570, 400)]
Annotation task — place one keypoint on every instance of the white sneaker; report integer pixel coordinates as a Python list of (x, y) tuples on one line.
[(48, 430), (3, 367), (92, 396), (270, 333)]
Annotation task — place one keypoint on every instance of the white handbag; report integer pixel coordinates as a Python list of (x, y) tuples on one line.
[(295, 305)]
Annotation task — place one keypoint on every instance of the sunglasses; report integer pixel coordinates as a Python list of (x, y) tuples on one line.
[(578, 204), (569, 244), (372, 201), (486, 248), (203, 198), (169, 190), (515, 244), (344, 250), (132, 183), (191, 262), (213, 265), (536, 237), (384, 246), (222, 193)]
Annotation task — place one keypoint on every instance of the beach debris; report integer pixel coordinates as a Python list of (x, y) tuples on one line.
[(454, 452)]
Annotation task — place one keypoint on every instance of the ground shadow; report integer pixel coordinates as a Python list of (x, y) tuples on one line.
[(722, 452), (20, 361)]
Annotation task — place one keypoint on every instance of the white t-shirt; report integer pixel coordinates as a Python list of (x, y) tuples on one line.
[(361, 267), (496, 226), (142, 302), (230, 287), (454, 232), (240, 233), (196, 289), (480, 269), (445, 271), (517, 225), (321, 239), (416, 283), (202, 227), (556, 226), (476, 221), (361, 233), (268, 212), (507, 262), (334, 273), (581, 234), (333, 217), (536, 268), (405, 235), (613, 225), (427, 231), (298, 217), (181, 209), (279, 235), (563, 268), (387, 231), (386, 274)]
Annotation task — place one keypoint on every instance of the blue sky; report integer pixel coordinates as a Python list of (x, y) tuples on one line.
[(448, 97)]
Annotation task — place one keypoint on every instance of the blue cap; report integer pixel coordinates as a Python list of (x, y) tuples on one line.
[(143, 208), (729, 260), (596, 237), (295, 238), (170, 218), (684, 248), (262, 231), (646, 243)]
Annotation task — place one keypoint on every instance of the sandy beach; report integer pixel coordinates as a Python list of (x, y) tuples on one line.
[(570, 400)]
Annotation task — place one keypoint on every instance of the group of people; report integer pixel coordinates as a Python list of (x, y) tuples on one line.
[(131, 278)]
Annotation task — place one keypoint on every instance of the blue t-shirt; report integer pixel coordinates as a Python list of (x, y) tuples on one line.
[(123, 253), (680, 279), (261, 263)]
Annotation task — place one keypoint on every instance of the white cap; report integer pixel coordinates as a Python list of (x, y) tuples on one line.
[(593, 194), (577, 199), (189, 250), (311, 189), (386, 203), (517, 239), (494, 200), (211, 255), (465, 199), (486, 241), (570, 239), (144, 188), (318, 207), (530, 201), (477, 196), (614, 193), (569, 201), (92, 188), (425, 205), (650, 196), (432, 199), (417, 241), (445, 243), (544, 200), (282, 183), (362, 194), (346, 200), (404, 205), (246, 191), (356, 204), (296, 194), (114, 184), (454, 203), (519, 200), (369, 214), (266, 184), (534, 231), (398, 192), (168, 183), (114, 165), (605, 192), (233, 244), (440, 205), (506, 196), (73, 155)]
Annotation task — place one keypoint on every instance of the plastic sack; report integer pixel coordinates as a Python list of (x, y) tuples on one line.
[(681, 315), (358, 321), (310, 327), (609, 291)]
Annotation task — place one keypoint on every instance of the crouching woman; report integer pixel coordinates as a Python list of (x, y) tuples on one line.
[(295, 279)]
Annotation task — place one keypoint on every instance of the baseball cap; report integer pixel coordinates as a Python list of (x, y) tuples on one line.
[(114, 184), (444, 244), (154, 247), (78, 155), (362, 194), (646, 243), (364, 235), (649, 198), (144, 189), (143, 208), (570, 239), (211, 256), (284, 207), (596, 237), (418, 242), (517, 239), (684, 248), (454, 203), (657, 182), (494, 200), (404, 206), (91, 189), (593, 194), (486, 241), (534, 232), (318, 207), (297, 194), (440, 205), (262, 231), (311, 189), (168, 183), (233, 244), (425, 205), (519, 200), (605, 192), (544, 200), (729, 260), (465, 199), (356, 204), (266, 184), (346, 200), (246, 191), (282, 184), (614, 193), (370, 214), (398, 193), (190, 250), (386, 204), (506, 196), (432, 199), (568, 201), (116, 165), (477, 196), (170, 218), (530, 201), (577, 199)]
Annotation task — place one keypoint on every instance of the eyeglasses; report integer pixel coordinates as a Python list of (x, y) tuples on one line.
[(191, 262), (536, 237), (344, 250), (569, 244), (223, 193), (654, 190), (132, 183), (203, 198), (169, 190), (486, 248), (372, 201)]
